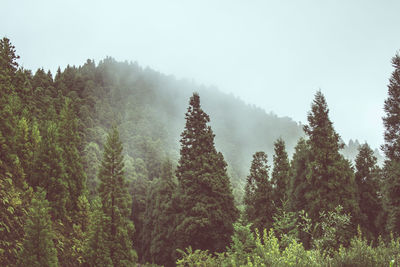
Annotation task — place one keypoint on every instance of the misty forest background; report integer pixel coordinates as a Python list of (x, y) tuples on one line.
[(111, 164)]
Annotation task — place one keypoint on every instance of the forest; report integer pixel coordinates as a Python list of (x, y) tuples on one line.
[(112, 164)]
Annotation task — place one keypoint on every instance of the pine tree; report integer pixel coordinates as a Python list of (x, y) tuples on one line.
[(207, 205), (258, 199), (391, 148), (38, 247), (50, 172), (367, 179), (115, 199), (330, 177), (97, 249), (280, 173), (159, 219), (70, 142), (14, 196), (298, 179)]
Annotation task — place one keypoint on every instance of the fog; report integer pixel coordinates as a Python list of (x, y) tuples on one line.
[(274, 54)]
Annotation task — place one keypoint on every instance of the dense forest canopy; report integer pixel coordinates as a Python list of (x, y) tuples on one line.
[(110, 164)]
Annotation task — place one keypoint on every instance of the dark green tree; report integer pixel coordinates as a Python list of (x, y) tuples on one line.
[(280, 173), (69, 140), (207, 205), (38, 248), (258, 198), (116, 203), (298, 180), (330, 177), (367, 179), (50, 173), (391, 121), (97, 249), (157, 235)]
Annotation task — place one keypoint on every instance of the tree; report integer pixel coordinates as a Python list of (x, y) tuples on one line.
[(159, 217), (330, 177), (280, 173), (70, 142), (207, 207), (97, 249), (367, 179), (50, 173), (391, 121), (115, 199), (298, 179), (38, 247), (258, 199)]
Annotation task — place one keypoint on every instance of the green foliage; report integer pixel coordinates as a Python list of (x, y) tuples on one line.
[(50, 172), (207, 213), (115, 199), (258, 199), (198, 258), (332, 230), (157, 236), (280, 173), (97, 249), (38, 247), (368, 183), (286, 225), (330, 177)]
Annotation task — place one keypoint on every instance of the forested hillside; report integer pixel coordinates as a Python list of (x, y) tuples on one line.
[(110, 164)]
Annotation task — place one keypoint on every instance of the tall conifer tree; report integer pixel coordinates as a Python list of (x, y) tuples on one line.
[(391, 121), (367, 179), (280, 173), (38, 247), (207, 205), (157, 235), (331, 179), (258, 199), (116, 202)]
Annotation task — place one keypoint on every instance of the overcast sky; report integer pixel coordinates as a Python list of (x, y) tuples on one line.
[(274, 54)]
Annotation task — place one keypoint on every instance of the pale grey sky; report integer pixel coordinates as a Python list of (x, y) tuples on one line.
[(274, 54)]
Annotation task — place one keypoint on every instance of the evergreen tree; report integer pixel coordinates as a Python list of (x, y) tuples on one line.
[(97, 249), (298, 179), (391, 148), (157, 235), (38, 247), (50, 173), (330, 177), (280, 173), (367, 179), (207, 205), (14, 196), (258, 198), (70, 142), (115, 199)]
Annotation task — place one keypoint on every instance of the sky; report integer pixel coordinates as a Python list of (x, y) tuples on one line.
[(273, 54)]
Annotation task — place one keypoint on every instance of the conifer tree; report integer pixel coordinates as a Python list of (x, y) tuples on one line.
[(331, 179), (207, 205), (159, 218), (298, 179), (38, 248), (97, 249), (115, 200), (70, 142), (280, 173), (13, 194), (50, 173), (391, 148), (367, 179), (258, 198)]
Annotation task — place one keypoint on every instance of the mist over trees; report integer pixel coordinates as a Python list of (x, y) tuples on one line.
[(110, 164)]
